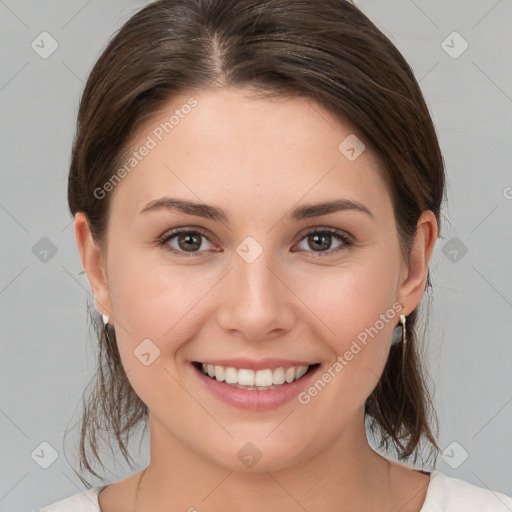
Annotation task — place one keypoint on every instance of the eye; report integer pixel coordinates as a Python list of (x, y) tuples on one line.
[(190, 241), (322, 239), (187, 241)]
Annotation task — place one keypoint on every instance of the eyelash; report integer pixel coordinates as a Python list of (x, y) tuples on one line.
[(347, 243)]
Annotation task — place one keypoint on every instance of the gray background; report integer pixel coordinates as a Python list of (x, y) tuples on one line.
[(48, 354)]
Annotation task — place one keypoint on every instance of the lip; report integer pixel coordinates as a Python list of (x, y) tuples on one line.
[(251, 364), (255, 400)]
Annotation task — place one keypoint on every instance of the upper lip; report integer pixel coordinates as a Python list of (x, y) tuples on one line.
[(252, 364)]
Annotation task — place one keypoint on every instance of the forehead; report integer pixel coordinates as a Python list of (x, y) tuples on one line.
[(229, 145)]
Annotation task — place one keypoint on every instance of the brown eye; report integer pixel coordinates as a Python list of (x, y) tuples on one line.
[(185, 241), (320, 241)]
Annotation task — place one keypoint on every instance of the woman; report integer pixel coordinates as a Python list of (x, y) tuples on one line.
[(256, 189)]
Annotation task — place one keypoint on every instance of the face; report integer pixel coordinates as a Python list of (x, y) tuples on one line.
[(259, 289)]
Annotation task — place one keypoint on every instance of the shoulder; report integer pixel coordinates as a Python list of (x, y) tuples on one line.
[(85, 501), (454, 495)]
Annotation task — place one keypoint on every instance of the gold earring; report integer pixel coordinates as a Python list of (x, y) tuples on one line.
[(404, 333), (404, 341), (399, 332)]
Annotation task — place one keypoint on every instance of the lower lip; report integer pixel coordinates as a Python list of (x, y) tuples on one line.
[(255, 400)]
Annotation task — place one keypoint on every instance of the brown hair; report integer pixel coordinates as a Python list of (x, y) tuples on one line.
[(325, 50)]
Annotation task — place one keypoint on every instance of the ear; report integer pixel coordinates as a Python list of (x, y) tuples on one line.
[(415, 274), (94, 265)]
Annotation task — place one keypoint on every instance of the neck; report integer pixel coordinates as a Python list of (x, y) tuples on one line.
[(346, 471)]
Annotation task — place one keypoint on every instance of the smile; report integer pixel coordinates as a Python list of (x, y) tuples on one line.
[(256, 380), (254, 385)]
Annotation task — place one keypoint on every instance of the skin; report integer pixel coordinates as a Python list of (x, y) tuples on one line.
[(257, 159)]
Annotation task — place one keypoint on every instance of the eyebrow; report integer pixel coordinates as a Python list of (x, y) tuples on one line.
[(215, 213)]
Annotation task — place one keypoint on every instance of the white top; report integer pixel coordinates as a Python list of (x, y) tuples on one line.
[(444, 494)]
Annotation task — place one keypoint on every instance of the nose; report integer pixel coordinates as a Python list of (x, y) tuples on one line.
[(256, 303)]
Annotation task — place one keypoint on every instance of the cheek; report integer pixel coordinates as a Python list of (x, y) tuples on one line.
[(350, 300), (154, 300), (356, 303), (358, 312), (154, 306)]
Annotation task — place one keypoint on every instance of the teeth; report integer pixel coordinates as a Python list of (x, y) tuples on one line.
[(231, 375), (301, 371), (220, 373), (289, 375), (263, 378), (250, 379)]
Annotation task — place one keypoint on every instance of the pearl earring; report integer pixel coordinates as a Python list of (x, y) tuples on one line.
[(105, 319)]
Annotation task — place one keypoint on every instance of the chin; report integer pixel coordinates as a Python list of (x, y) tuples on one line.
[(256, 454)]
